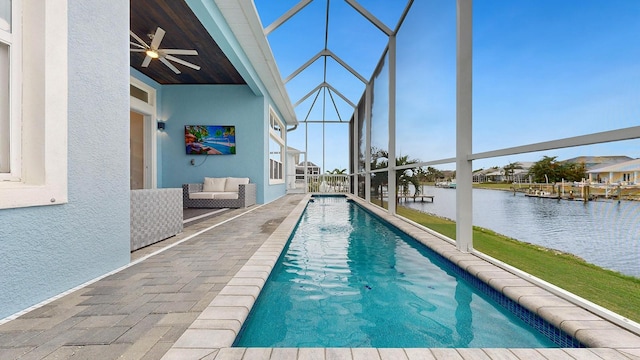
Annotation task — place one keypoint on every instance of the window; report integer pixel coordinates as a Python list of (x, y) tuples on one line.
[(276, 149), (275, 161), (136, 91), (142, 96), (276, 124), (9, 91), (33, 103)]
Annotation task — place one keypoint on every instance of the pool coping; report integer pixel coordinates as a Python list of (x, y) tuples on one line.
[(213, 332)]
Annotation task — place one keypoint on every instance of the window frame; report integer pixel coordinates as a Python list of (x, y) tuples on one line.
[(148, 110), (42, 113), (276, 134), (12, 38)]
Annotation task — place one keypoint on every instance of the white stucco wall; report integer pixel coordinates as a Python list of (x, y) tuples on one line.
[(46, 250)]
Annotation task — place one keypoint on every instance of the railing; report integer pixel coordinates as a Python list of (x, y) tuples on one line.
[(328, 183)]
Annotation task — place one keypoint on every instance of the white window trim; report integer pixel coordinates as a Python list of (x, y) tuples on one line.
[(15, 59), (148, 110), (43, 111), (277, 137)]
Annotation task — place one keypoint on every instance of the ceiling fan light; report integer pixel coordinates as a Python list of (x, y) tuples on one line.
[(152, 54)]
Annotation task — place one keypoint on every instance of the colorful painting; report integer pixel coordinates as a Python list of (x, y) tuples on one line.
[(210, 139)]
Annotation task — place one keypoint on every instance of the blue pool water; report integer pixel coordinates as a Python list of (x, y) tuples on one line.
[(348, 280), (224, 148)]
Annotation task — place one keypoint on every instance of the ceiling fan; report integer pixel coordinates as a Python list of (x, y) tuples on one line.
[(153, 51)]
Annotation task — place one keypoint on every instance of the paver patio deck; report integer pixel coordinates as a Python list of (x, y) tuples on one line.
[(149, 309), (140, 311)]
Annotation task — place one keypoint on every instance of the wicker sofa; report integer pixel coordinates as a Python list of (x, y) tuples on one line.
[(226, 192)]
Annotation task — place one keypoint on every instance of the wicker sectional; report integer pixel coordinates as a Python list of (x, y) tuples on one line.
[(246, 197), (156, 214)]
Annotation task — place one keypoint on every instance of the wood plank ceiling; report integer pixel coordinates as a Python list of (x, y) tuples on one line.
[(183, 31)]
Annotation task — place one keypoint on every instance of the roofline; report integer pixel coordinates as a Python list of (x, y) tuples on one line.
[(239, 14), (616, 167)]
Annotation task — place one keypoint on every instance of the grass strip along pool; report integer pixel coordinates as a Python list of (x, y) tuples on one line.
[(609, 289)]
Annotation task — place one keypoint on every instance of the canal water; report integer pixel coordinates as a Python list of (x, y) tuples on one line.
[(604, 233)]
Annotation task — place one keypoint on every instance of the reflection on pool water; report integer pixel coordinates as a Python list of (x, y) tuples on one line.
[(348, 280)]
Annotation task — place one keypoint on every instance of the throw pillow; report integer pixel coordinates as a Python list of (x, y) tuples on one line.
[(214, 184), (232, 183)]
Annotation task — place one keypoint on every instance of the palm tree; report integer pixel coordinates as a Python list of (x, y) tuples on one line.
[(421, 176), (432, 174), (379, 160), (337, 181), (510, 169), (406, 177)]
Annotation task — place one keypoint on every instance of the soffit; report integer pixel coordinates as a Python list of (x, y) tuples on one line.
[(183, 31)]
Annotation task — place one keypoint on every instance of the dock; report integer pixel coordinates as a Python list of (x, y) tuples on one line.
[(592, 197), (579, 192), (415, 197), (544, 196)]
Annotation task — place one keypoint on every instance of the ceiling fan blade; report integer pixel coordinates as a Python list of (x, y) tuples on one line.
[(157, 38), (137, 45), (147, 60), (142, 43), (138, 50), (180, 61), (179, 51), (170, 65)]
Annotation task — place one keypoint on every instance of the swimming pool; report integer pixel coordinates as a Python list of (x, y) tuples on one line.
[(346, 279), (222, 146)]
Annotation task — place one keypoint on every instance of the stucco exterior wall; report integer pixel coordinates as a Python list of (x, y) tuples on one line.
[(46, 250), (213, 105)]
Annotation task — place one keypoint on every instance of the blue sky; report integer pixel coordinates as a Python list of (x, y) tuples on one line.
[(543, 70)]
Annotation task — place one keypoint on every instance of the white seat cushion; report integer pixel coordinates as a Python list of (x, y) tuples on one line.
[(202, 195), (232, 184), (214, 184), (209, 195), (227, 195)]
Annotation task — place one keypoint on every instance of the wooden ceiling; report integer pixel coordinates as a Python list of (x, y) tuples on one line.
[(183, 31)]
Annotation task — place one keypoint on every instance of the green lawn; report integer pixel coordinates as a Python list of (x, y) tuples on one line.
[(494, 186), (609, 289)]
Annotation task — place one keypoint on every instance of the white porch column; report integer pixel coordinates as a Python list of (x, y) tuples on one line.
[(464, 208)]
